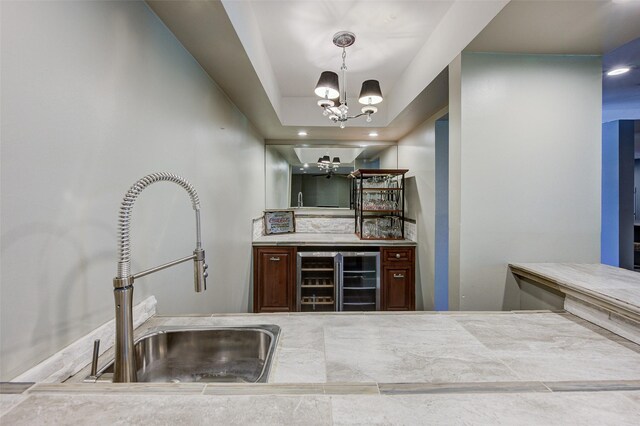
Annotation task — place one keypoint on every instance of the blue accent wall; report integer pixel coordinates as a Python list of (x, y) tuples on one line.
[(609, 237), (617, 193), (441, 286)]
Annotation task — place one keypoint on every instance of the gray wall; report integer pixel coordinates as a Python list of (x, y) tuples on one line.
[(94, 96), (525, 169), (389, 158), (277, 179), (416, 152), (318, 191)]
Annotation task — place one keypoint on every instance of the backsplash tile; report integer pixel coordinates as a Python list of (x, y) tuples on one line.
[(410, 231), (328, 225), (258, 227), (325, 225)]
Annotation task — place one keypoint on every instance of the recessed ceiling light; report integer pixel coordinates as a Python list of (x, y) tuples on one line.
[(618, 71), (302, 133), (301, 168), (306, 164), (373, 134)]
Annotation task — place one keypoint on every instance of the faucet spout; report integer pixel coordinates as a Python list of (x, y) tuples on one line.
[(124, 365)]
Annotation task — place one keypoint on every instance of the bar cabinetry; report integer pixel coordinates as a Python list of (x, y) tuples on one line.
[(274, 271), (290, 279), (398, 281)]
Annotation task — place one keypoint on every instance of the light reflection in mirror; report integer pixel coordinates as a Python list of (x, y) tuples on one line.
[(291, 184)]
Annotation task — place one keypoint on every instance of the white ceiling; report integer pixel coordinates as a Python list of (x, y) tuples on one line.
[(578, 27), (403, 44), (621, 93), (267, 55), (297, 37)]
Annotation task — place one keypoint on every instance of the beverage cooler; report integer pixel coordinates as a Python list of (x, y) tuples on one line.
[(338, 281)]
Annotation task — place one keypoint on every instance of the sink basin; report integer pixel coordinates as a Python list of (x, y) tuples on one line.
[(212, 354)]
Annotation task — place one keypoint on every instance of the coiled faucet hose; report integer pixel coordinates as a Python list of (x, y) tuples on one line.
[(124, 217)]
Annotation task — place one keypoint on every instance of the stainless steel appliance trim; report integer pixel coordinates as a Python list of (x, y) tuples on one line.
[(336, 265), (378, 273), (339, 281)]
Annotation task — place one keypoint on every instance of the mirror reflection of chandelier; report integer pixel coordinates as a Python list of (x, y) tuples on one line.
[(325, 163), (328, 88)]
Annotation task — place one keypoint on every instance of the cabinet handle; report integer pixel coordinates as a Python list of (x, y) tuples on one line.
[(398, 275), (274, 259), (397, 255)]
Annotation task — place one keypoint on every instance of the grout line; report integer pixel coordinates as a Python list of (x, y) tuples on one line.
[(345, 388), (331, 409), (324, 354)]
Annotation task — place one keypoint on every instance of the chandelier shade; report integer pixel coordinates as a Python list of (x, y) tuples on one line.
[(326, 164), (370, 94), (327, 86)]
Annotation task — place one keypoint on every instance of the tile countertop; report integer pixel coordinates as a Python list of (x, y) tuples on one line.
[(380, 368), (310, 239), (610, 284)]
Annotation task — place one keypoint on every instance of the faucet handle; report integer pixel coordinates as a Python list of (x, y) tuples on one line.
[(94, 358)]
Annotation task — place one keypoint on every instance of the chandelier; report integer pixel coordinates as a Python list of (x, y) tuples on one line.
[(325, 163), (334, 97)]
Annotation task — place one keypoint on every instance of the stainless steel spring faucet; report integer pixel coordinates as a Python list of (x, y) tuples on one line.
[(125, 366)]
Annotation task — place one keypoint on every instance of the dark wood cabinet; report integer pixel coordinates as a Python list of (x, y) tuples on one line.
[(275, 287), (274, 279), (398, 280)]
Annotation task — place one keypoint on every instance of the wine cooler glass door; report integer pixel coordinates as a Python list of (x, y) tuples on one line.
[(317, 282), (360, 282)]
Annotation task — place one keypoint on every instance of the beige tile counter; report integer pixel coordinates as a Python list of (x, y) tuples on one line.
[(602, 294), (382, 368), (614, 285)]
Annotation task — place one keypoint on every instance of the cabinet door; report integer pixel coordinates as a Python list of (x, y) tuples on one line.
[(274, 280), (398, 288)]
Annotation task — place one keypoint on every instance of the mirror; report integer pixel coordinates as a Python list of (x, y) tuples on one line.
[(294, 179)]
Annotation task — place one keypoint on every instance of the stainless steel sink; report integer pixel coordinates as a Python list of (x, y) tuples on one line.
[(211, 354)]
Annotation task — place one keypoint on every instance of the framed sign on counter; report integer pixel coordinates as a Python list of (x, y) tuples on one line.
[(279, 222)]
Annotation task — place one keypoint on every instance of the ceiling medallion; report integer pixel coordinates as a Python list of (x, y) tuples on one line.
[(329, 89)]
